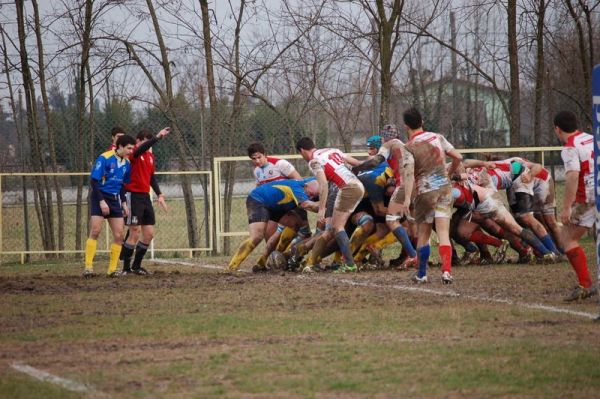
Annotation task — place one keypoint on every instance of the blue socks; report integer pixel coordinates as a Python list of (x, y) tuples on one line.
[(548, 243), (402, 236), (423, 259), (343, 243)]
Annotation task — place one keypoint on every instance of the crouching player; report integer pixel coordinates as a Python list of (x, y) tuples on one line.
[(107, 201), (269, 204), (328, 164)]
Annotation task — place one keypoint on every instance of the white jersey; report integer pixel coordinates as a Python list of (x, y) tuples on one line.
[(429, 152), (578, 156), (274, 169), (331, 162)]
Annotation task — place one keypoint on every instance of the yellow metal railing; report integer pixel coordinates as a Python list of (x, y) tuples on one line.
[(218, 197), (152, 249)]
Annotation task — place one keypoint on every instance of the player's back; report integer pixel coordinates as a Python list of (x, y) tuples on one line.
[(578, 155), (331, 161), (429, 152), (281, 194)]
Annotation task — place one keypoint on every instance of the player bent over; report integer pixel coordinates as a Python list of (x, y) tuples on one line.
[(141, 217), (328, 164), (267, 205), (578, 213), (107, 201)]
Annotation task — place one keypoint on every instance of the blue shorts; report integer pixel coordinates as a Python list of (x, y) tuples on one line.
[(113, 202)]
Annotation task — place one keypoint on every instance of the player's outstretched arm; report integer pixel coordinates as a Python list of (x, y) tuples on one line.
[(456, 161)]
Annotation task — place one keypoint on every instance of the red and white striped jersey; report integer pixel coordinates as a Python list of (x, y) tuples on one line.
[(274, 169), (578, 156), (331, 162), (397, 158), (429, 151)]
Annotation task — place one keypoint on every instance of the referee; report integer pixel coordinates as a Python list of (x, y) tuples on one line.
[(141, 218)]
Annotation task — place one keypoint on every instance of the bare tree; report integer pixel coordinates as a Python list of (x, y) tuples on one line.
[(43, 194), (49, 126)]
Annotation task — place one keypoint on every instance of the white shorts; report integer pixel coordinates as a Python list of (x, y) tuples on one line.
[(490, 206), (544, 199), (583, 215)]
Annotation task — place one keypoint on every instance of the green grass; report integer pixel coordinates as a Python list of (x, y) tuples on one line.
[(204, 334)]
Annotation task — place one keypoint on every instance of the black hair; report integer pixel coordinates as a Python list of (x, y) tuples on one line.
[(125, 140), (566, 121), (305, 143), (412, 118), (144, 134), (256, 147), (116, 130)]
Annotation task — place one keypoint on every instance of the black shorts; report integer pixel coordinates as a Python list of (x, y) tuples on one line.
[(523, 204), (141, 211), (113, 202), (258, 212)]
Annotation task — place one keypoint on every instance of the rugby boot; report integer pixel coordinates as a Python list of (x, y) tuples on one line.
[(580, 293)]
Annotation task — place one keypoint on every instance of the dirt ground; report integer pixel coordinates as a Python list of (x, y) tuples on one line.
[(57, 321)]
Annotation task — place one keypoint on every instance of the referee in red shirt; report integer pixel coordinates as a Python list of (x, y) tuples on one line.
[(141, 218)]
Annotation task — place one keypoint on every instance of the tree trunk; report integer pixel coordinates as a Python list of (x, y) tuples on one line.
[(50, 127), (42, 184), (167, 104), (213, 125), (539, 76), (513, 56)]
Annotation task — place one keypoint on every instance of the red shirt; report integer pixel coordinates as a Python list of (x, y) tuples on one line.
[(142, 169)]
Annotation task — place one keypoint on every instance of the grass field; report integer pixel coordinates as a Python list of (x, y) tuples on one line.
[(192, 330)]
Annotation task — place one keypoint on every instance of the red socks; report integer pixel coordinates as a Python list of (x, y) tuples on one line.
[(446, 257), (579, 262), (479, 237)]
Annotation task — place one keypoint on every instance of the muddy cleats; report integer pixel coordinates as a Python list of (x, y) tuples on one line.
[(308, 270), (141, 272), (447, 278), (347, 269), (500, 254), (88, 273), (527, 257), (418, 280), (259, 269), (375, 257), (469, 258), (549, 259), (115, 274), (409, 263), (580, 293)]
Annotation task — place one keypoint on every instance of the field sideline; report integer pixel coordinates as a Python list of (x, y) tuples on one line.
[(193, 330)]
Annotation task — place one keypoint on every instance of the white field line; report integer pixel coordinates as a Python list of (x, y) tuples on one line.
[(51, 378), (407, 288)]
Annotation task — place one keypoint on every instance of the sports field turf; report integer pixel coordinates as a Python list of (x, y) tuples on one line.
[(192, 330)]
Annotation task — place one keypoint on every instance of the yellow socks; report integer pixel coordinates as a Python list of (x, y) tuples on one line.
[(115, 251), (90, 252), (242, 253), (363, 252), (358, 237), (389, 239), (287, 235)]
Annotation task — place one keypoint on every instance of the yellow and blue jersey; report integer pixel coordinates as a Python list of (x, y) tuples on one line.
[(283, 195), (375, 181), (111, 172)]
